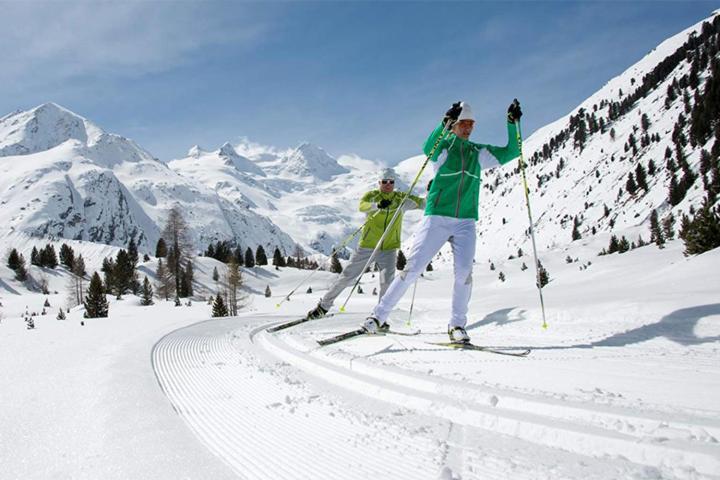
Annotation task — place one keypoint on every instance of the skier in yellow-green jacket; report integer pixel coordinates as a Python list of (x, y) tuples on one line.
[(380, 205)]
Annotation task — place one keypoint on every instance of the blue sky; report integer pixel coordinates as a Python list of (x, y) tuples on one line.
[(365, 78)]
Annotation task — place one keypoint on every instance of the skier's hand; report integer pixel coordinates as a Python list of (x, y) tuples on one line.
[(452, 114), (514, 111), (384, 203)]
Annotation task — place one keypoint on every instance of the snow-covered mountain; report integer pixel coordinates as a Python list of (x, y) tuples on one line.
[(579, 166), (62, 176)]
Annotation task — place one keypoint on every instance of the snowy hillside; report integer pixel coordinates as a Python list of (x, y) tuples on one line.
[(62, 176), (579, 166)]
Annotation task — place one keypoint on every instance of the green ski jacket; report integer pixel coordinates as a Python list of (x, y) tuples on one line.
[(455, 190), (376, 225)]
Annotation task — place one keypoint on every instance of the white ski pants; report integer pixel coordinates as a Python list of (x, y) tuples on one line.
[(431, 235), (385, 260)]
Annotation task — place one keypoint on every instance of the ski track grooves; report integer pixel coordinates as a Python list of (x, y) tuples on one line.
[(233, 409), (587, 429), (247, 412)]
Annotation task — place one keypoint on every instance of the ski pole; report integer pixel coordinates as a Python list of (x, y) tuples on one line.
[(532, 230), (412, 303), (445, 129), (342, 245)]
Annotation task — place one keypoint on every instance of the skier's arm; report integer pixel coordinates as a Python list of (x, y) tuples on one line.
[(430, 142), (367, 203), (509, 152), (413, 202)]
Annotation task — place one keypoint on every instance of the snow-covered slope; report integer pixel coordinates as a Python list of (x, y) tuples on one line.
[(62, 176), (586, 183)]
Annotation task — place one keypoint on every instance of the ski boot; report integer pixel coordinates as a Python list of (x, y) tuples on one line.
[(372, 326), (458, 335), (317, 312)]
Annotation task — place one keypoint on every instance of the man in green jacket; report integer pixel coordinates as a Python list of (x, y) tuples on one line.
[(450, 214), (380, 205)]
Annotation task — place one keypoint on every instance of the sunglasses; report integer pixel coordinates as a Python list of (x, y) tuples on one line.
[(387, 182)]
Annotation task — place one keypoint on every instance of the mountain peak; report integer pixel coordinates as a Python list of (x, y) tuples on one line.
[(42, 128), (308, 160), (195, 151), (228, 150)]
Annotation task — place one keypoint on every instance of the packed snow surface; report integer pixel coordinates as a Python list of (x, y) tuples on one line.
[(623, 384)]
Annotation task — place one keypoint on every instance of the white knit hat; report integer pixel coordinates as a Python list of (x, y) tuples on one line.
[(466, 113), (387, 174)]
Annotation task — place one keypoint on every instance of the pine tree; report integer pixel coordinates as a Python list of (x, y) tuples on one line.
[(492, 266), (108, 269), (67, 256), (501, 276), (13, 260), (614, 244), (576, 229), (238, 256), (134, 258), (667, 224), (656, 234), (675, 192), (278, 259), (35, 257), (641, 177), (260, 257), (96, 305), (249, 258), (702, 233), (61, 314), (401, 261), (268, 293), (186, 280), (543, 276), (51, 258), (630, 185), (429, 267), (335, 265), (123, 274), (161, 248), (132, 252), (219, 309), (651, 168), (215, 275), (146, 293)]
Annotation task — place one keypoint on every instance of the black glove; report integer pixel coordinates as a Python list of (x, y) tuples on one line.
[(384, 203), (452, 114), (514, 112)]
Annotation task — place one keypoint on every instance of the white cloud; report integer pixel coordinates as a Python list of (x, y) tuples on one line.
[(64, 40)]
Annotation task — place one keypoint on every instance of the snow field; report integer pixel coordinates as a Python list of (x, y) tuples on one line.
[(580, 428)]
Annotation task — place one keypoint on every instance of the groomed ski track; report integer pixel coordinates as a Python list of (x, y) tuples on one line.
[(278, 406)]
